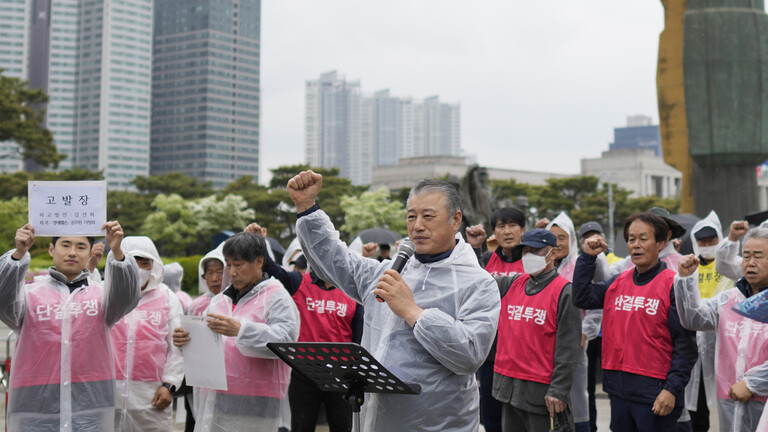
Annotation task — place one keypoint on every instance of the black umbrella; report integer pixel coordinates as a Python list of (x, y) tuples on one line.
[(379, 236)]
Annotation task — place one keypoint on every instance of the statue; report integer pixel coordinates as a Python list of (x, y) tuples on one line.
[(478, 200)]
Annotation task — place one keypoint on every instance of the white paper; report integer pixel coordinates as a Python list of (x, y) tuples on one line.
[(203, 355), (67, 208)]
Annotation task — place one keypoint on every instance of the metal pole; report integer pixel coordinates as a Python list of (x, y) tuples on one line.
[(610, 215)]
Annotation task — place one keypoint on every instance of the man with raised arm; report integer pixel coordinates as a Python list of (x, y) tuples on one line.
[(63, 376), (439, 315)]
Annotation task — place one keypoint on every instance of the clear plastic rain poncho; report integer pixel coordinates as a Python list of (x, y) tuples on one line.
[(704, 369), (290, 252), (145, 356), (444, 349), (62, 374), (579, 394), (200, 304), (257, 381), (174, 274), (727, 259), (741, 350)]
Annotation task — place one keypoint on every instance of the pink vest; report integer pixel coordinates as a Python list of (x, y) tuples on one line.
[(498, 267), (199, 305), (184, 299), (326, 315), (527, 331), (139, 339), (53, 317), (742, 344), (251, 376), (636, 335)]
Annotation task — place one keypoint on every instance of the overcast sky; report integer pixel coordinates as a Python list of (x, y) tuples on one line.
[(541, 84)]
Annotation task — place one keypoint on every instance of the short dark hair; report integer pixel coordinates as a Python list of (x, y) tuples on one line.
[(508, 215), (91, 240), (245, 246), (660, 227), (384, 247)]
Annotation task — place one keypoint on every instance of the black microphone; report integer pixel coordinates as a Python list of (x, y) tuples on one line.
[(404, 253)]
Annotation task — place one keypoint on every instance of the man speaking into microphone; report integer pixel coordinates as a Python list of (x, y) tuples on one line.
[(439, 315)]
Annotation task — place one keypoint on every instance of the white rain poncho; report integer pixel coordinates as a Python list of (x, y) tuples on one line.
[(257, 381), (579, 395), (145, 356), (174, 274), (727, 259), (293, 247), (741, 350), (62, 377), (444, 349), (199, 305), (704, 369)]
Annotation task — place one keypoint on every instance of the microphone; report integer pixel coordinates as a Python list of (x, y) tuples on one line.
[(404, 253)]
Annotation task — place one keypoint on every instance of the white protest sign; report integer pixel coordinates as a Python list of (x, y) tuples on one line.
[(67, 208)]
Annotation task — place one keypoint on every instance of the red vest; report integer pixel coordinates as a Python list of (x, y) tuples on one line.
[(527, 331), (636, 336), (326, 315), (498, 267)]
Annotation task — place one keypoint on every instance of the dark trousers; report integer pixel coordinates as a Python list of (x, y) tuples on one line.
[(594, 351), (490, 408), (305, 399), (700, 417), (628, 416)]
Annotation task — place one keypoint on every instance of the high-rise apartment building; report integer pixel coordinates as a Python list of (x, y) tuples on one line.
[(14, 61), (353, 132), (205, 115), (93, 58)]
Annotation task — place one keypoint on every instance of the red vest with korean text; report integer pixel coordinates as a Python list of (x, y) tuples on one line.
[(498, 267), (527, 331), (326, 315), (139, 339), (53, 318), (251, 376), (636, 335)]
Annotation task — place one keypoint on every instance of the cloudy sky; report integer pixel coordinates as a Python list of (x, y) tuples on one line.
[(541, 84)]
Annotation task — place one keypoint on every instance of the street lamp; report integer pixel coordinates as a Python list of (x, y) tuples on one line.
[(610, 178)]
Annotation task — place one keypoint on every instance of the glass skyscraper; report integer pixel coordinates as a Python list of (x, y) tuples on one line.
[(206, 102)]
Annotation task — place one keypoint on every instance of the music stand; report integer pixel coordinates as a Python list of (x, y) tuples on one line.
[(342, 368)]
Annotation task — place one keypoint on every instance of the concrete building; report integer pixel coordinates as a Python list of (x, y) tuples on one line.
[(410, 171), (14, 60), (353, 132), (639, 133), (636, 169), (206, 91), (93, 58)]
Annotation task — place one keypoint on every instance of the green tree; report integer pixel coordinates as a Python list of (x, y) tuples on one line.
[(229, 213), (173, 183), (130, 209), (373, 209), (273, 207), (13, 213), (173, 226), (21, 120), (329, 198)]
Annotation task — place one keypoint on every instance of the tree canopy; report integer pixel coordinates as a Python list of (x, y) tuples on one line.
[(21, 120)]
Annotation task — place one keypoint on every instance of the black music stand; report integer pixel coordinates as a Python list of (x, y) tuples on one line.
[(342, 368)]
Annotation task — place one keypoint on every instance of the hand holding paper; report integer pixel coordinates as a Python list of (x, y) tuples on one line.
[(203, 353)]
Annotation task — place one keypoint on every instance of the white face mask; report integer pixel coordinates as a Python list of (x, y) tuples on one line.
[(144, 276), (707, 252), (533, 264)]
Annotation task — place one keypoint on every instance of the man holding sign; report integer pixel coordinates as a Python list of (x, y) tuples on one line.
[(63, 376)]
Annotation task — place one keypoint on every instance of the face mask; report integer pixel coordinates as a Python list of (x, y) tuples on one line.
[(144, 276), (533, 264), (707, 252)]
